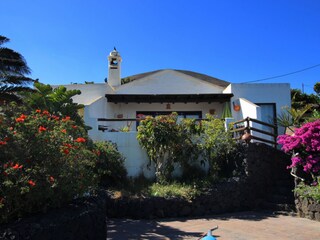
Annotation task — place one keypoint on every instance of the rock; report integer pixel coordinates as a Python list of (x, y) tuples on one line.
[(82, 219), (312, 207)]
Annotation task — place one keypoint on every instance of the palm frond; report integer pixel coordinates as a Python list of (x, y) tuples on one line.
[(3, 39), (16, 80), (11, 61), (14, 89), (13, 68)]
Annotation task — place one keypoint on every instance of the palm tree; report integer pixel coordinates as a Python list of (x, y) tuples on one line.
[(13, 68)]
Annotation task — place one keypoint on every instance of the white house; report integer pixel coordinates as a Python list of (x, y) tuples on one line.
[(112, 105)]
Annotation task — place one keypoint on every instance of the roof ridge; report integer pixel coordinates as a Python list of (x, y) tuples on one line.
[(205, 77), (200, 76)]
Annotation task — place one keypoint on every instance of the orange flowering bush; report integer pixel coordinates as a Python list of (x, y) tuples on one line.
[(45, 161)]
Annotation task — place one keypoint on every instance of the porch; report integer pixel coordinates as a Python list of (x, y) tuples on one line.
[(136, 158), (124, 112)]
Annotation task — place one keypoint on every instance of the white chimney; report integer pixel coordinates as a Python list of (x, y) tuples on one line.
[(114, 78)]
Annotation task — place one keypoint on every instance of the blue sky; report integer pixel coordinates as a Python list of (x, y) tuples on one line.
[(237, 40)]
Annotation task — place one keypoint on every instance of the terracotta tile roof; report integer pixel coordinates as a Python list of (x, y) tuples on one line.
[(200, 76)]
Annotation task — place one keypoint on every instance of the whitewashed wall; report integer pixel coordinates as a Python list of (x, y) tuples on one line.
[(91, 113), (278, 93), (249, 109), (252, 110), (89, 92), (136, 158), (168, 82)]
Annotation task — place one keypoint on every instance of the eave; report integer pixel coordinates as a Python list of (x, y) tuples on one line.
[(168, 98)]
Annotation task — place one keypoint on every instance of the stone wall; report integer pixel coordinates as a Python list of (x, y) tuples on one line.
[(84, 219), (308, 208), (225, 197), (264, 166)]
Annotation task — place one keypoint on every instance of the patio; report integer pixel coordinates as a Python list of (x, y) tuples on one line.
[(242, 225)]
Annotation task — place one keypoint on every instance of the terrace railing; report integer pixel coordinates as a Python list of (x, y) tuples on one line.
[(258, 130)]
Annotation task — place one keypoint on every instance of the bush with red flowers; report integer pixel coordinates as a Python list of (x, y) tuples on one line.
[(45, 161)]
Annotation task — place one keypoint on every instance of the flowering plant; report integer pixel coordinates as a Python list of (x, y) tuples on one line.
[(110, 164), (305, 147), (45, 161)]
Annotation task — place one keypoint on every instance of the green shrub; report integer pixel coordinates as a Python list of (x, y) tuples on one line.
[(167, 142), (46, 161), (110, 164), (58, 100), (188, 143), (141, 187), (307, 191), (175, 189), (219, 149)]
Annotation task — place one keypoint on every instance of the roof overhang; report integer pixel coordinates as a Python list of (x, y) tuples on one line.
[(168, 98)]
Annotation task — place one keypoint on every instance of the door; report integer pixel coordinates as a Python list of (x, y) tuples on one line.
[(268, 115)]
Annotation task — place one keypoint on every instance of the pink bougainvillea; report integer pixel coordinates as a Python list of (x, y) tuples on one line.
[(305, 147)]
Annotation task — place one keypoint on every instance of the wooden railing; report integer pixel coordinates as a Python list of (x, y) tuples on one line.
[(245, 125)]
